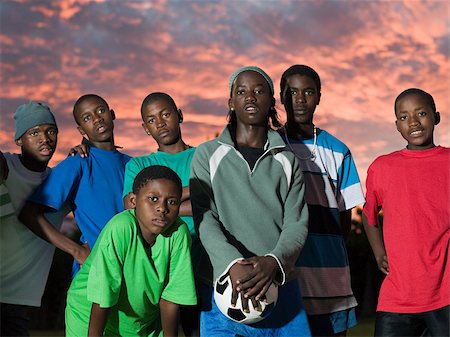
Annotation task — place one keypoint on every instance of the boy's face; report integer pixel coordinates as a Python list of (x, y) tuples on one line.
[(304, 99), (39, 142), (95, 120), (162, 121), (157, 205), (415, 121), (251, 99)]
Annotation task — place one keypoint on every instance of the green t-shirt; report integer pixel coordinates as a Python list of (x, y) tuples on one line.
[(179, 162), (124, 275)]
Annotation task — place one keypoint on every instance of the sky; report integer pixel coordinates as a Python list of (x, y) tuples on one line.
[(366, 53)]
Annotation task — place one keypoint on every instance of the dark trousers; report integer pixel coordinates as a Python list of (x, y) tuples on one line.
[(430, 323), (13, 320), (190, 320)]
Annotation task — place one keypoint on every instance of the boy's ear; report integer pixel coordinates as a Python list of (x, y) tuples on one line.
[(180, 115), (230, 105), (437, 118), (145, 129), (81, 131), (132, 200), (19, 141), (113, 114)]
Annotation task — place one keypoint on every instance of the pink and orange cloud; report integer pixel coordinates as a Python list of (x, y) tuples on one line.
[(365, 52)]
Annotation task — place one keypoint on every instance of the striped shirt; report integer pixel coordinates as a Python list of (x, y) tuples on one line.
[(332, 186)]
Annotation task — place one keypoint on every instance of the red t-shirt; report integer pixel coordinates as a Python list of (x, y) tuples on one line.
[(413, 188)]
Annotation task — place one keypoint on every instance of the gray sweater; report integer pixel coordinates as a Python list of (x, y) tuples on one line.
[(239, 212)]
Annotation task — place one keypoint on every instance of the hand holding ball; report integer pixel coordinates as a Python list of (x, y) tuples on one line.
[(222, 296)]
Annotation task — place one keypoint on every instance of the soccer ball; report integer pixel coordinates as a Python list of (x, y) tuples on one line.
[(222, 296)]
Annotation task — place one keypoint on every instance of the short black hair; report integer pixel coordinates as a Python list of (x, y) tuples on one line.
[(303, 70), (155, 172), (415, 91), (158, 96), (82, 99)]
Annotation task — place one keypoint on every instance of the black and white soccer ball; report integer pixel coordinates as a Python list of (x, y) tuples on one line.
[(222, 296)]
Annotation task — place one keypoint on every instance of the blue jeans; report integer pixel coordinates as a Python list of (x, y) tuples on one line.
[(288, 319)]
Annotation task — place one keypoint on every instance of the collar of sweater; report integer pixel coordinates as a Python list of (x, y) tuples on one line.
[(273, 138)]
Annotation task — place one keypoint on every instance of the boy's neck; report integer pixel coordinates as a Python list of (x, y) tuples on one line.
[(177, 147), (148, 237), (251, 136), (295, 130), (149, 241), (420, 148), (107, 145)]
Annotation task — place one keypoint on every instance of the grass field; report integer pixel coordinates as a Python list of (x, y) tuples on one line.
[(59, 333), (363, 329)]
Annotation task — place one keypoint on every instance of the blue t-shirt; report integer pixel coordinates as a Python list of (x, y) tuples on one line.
[(93, 187)]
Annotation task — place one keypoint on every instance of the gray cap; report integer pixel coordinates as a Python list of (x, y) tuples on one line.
[(251, 68), (29, 115)]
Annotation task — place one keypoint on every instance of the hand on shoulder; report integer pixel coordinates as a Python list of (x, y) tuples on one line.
[(81, 149)]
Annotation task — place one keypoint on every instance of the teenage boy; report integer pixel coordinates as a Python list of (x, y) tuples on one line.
[(247, 198), (412, 186), (25, 259), (92, 185), (332, 189), (140, 269), (161, 120)]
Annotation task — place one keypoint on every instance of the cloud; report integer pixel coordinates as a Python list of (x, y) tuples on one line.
[(365, 52)]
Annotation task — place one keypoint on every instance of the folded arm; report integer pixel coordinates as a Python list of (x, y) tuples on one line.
[(32, 216)]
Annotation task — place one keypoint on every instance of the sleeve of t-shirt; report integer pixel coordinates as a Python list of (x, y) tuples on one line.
[(60, 185), (105, 276), (180, 287), (133, 167), (295, 224), (349, 186), (373, 203)]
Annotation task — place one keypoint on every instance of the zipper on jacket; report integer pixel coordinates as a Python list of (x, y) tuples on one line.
[(257, 161)]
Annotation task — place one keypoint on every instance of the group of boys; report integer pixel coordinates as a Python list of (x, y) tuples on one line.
[(410, 185), (90, 184)]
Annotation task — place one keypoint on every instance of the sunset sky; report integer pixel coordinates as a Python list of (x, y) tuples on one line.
[(366, 53)]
